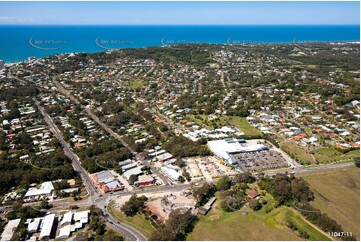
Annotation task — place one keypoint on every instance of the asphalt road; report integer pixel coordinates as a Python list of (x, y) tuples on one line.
[(311, 169), (92, 190)]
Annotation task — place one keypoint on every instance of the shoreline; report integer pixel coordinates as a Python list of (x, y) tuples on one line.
[(7, 62)]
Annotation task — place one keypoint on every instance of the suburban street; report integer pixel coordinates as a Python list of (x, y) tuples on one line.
[(110, 131)]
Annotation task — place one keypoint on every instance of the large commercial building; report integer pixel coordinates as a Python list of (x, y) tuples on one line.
[(46, 189), (107, 182), (226, 147)]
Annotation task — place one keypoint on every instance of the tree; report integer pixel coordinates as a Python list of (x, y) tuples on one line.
[(96, 221), (246, 177), (181, 146), (186, 175), (111, 235), (59, 185), (231, 204), (204, 192), (254, 204), (175, 228), (45, 205), (301, 191), (180, 162), (133, 205), (132, 179), (224, 183), (304, 234)]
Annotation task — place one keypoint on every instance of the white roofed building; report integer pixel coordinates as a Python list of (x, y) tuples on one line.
[(9, 229), (82, 217), (135, 171), (34, 225), (46, 189), (67, 218), (171, 173), (224, 148), (103, 176), (47, 227), (64, 232)]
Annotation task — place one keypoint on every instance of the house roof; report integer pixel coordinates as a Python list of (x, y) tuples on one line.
[(45, 189), (9, 229), (67, 218), (135, 171), (47, 226), (34, 225), (113, 184), (82, 216), (64, 232), (104, 176), (253, 193)]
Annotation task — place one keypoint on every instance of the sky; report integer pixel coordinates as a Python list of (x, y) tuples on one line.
[(180, 13)]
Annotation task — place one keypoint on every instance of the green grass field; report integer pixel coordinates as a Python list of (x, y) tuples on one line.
[(247, 224), (337, 193), (330, 154), (285, 213), (291, 148), (138, 221), (322, 155), (241, 123), (137, 84), (201, 120)]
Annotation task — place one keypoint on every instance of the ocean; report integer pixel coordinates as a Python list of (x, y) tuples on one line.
[(17, 43)]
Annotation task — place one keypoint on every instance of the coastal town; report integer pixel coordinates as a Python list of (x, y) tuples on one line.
[(118, 145)]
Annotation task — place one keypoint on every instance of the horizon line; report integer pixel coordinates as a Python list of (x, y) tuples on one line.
[(135, 25)]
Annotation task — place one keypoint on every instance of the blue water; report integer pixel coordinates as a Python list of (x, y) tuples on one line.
[(19, 42)]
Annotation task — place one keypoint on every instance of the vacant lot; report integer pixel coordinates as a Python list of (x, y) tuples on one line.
[(330, 154), (298, 152), (249, 225), (137, 84), (322, 155), (338, 195), (243, 125), (201, 120)]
